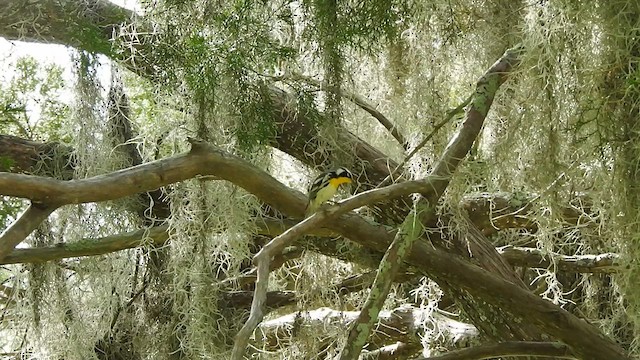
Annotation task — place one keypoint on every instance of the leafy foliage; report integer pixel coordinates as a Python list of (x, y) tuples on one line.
[(31, 103)]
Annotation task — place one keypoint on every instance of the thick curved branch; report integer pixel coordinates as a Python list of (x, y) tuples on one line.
[(86, 24), (511, 348), (201, 160)]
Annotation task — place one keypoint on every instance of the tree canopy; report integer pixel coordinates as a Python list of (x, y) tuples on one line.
[(154, 189)]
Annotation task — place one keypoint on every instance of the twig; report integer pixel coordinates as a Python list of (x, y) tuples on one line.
[(424, 142), (360, 102), (257, 309)]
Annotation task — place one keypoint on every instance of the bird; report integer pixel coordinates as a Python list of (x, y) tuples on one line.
[(325, 186)]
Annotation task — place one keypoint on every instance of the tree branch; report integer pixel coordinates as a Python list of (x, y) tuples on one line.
[(424, 141), (154, 235), (607, 263), (398, 350), (360, 102), (28, 221), (89, 247), (401, 324), (87, 24), (510, 348), (410, 230)]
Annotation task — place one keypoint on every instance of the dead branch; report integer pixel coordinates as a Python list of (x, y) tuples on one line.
[(360, 102), (535, 258), (398, 350), (403, 324)]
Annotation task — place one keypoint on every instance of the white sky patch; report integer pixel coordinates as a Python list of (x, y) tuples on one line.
[(133, 5), (47, 54)]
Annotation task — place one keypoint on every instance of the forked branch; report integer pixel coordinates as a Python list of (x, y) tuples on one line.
[(424, 211)]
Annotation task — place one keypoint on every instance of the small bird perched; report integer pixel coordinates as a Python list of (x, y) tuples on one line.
[(325, 186)]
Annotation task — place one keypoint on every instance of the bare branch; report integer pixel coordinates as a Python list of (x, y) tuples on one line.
[(398, 350), (203, 159), (257, 312), (510, 348), (28, 221), (401, 324), (424, 141), (89, 247), (360, 102)]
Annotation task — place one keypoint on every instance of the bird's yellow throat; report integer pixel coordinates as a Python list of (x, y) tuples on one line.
[(337, 181)]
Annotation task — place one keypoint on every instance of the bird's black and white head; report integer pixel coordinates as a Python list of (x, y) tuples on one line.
[(342, 173)]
